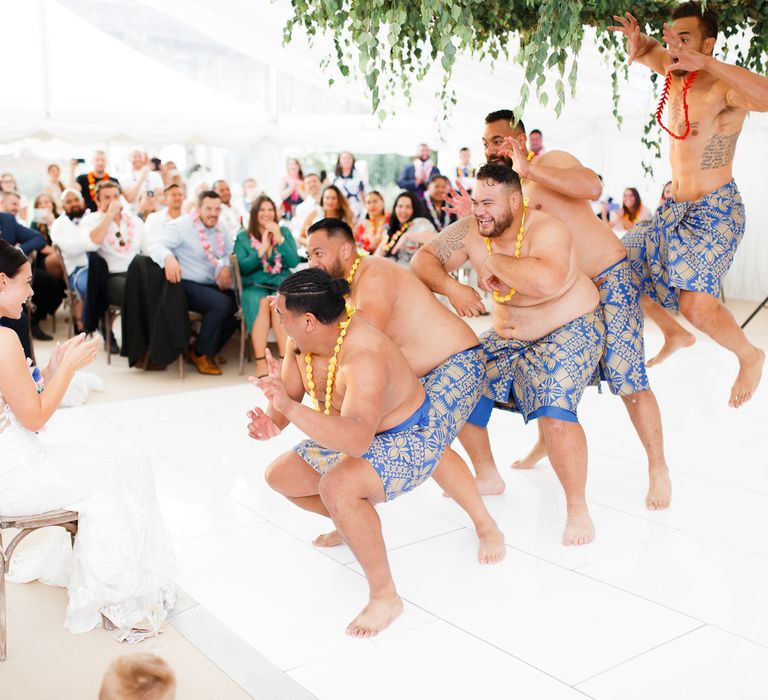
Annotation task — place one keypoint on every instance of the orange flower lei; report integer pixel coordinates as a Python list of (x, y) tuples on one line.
[(92, 183)]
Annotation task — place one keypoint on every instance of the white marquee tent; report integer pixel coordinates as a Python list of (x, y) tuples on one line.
[(195, 72)]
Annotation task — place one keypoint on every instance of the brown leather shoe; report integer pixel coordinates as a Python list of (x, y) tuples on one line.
[(204, 364)]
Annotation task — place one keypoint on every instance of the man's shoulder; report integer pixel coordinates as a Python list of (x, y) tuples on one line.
[(62, 221), (557, 159), (82, 179), (7, 220)]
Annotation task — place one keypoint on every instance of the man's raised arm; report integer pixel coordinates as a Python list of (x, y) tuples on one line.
[(641, 47)]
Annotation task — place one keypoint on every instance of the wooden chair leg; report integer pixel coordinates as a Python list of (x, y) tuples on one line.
[(243, 339), (181, 365), (3, 620)]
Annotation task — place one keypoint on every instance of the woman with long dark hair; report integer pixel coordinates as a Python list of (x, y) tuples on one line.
[(632, 211), (267, 254), (408, 230), (333, 205), (122, 564)]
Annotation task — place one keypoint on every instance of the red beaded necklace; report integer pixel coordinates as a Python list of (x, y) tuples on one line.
[(663, 101)]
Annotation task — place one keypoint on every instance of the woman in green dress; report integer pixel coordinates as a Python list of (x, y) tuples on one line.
[(267, 254)]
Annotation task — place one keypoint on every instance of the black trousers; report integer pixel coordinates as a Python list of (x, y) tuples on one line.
[(218, 309), (47, 294)]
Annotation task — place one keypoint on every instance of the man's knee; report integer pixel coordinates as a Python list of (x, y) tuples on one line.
[(277, 474), (698, 307)]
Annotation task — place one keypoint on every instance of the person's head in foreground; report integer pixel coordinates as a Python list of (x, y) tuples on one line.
[(496, 199), (331, 246), (310, 303), (138, 677), (15, 280), (697, 30)]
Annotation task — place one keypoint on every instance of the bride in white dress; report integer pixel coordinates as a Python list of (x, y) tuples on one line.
[(122, 564)]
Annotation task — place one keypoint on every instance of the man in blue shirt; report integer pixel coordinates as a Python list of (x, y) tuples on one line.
[(194, 251)]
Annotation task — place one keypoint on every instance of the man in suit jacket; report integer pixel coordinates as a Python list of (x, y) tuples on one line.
[(416, 175)]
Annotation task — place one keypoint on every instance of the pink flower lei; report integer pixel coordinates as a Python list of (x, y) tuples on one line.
[(122, 241), (206, 243), (273, 268)]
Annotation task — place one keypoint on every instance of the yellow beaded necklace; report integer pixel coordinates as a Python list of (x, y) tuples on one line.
[(332, 366), (518, 245), (353, 271)]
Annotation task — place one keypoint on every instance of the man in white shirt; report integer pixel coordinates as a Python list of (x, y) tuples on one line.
[(119, 237), (229, 218), (174, 198), (314, 189), (75, 245)]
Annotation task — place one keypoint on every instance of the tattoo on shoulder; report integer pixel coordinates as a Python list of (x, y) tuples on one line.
[(451, 239), (719, 151)]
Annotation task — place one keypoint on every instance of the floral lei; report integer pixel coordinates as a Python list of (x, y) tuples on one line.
[(441, 221), (273, 268), (392, 243), (122, 243), (92, 183), (206, 243)]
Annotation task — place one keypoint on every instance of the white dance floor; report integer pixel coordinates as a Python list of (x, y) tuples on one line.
[(662, 605)]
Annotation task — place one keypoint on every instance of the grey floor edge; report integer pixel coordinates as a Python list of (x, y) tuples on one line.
[(252, 671)]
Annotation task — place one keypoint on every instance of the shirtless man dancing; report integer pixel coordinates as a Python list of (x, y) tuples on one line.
[(558, 184), (548, 332), (440, 348), (685, 251), (374, 435)]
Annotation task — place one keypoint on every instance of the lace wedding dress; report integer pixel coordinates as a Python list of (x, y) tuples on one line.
[(122, 557)]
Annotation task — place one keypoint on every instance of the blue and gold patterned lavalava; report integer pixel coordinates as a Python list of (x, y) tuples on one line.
[(623, 364), (687, 245)]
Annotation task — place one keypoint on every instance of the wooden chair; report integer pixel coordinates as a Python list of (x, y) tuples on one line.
[(112, 313), (27, 524), (245, 336), (70, 297)]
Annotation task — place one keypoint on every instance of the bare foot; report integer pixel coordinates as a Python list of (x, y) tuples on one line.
[(537, 453), (659, 490), (750, 372), (672, 344), (379, 614), (492, 549), (332, 539), (578, 530)]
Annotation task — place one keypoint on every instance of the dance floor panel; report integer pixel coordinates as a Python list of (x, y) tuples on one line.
[(666, 604)]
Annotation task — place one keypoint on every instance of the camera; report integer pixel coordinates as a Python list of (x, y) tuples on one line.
[(150, 193)]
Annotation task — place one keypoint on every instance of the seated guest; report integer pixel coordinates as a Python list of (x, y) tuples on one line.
[(87, 182), (632, 211), (44, 214), (349, 180), (141, 180), (368, 232), (666, 193), (250, 192), (230, 218), (434, 203), (408, 230), (333, 205), (267, 254), (122, 557), (118, 236), (313, 190), (54, 188), (174, 198), (48, 288), (138, 677), (148, 205), (194, 251), (75, 243), (291, 189), (8, 184), (27, 240)]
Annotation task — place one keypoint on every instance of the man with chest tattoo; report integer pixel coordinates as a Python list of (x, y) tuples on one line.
[(558, 184), (685, 251)]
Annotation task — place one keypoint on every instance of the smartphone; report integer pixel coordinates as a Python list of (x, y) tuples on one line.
[(40, 214), (150, 193), (79, 160)]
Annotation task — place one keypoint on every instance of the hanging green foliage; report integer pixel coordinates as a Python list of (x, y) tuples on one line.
[(393, 43)]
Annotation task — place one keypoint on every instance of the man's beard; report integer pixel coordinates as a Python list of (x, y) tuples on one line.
[(499, 226), (336, 270), (76, 213)]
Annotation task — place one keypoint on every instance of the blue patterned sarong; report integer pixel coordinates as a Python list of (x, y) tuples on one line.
[(545, 377), (405, 456), (623, 364), (687, 245)]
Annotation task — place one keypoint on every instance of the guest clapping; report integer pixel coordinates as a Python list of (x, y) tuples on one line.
[(408, 230), (333, 205), (369, 231), (267, 254)]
